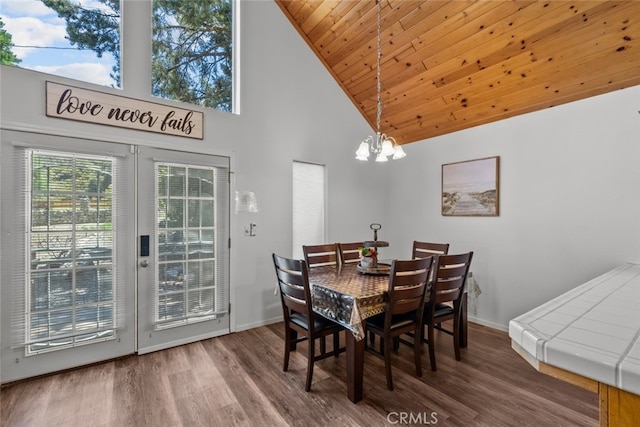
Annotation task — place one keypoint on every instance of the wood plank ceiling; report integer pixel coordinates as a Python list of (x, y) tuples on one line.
[(450, 65)]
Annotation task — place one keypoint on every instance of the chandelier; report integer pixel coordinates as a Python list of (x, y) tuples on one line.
[(381, 145)]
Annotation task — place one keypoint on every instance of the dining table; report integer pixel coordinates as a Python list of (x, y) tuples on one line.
[(348, 296)]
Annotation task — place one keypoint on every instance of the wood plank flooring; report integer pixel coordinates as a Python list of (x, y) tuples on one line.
[(238, 380)]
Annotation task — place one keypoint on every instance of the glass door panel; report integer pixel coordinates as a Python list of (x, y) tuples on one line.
[(71, 295), (183, 282)]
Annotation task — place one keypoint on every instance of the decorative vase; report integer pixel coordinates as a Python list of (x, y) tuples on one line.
[(367, 262)]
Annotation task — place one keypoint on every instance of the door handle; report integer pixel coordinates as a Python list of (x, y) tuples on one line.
[(144, 263)]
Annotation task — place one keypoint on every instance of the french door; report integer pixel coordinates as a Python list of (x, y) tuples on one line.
[(183, 257), (79, 284)]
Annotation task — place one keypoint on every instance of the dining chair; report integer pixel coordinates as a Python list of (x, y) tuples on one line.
[(349, 252), (408, 282), (445, 300), (419, 250), (295, 295), (326, 254), (425, 249)]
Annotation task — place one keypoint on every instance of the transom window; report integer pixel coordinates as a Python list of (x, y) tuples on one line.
[(75, 39), (192, 52), (192, 45)]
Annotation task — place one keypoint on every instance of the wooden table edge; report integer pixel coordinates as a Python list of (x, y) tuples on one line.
[(617, 407)]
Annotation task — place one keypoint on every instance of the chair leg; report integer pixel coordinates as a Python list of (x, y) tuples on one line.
[(336, 344), (396, 344), (418, 338), (287, 347), (323, 345), (293, 336), (417, 350), (432, 347), (387, 361), (456, 337), (310, 357)]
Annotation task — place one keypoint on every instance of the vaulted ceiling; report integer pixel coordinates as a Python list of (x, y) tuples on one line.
[(450, 65)]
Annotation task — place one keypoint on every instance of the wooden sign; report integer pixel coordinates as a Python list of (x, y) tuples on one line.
[(73, 103)]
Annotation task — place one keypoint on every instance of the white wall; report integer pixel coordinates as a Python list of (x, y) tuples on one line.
[(291, 108), (569, 207), (569, 204)]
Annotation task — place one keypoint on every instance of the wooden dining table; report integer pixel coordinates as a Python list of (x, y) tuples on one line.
[(347, 296)]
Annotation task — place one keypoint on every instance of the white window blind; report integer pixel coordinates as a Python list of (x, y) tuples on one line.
[(70, 292), (308, 206), (191, 213)]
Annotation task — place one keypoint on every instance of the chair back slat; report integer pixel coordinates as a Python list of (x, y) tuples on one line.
[(321, 255), (450, 278), (408, 302), (407, 285), (426, 249), (349, 252), (294, 304), (293, 282)]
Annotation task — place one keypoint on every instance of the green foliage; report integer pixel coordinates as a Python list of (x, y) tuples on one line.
[(92, 29), (192, 45), (367, 251), (66, 175), (6, 56), (192, 51)]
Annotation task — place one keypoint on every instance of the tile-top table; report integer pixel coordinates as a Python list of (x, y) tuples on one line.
[(590, 336)]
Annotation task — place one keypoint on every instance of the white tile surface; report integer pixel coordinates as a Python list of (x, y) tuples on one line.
[(547, 327), (594, 339), (629, 376), (634, 354), (583, 360), (621, 331), (592, 330)]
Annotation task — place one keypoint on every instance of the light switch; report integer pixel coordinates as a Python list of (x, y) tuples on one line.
[(250, 230)]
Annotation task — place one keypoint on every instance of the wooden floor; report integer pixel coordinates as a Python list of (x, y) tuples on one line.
[(238, 380)]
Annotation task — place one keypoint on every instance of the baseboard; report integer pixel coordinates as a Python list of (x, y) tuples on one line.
[(176, 343), (472, 319), (265, 322), (488, 324)]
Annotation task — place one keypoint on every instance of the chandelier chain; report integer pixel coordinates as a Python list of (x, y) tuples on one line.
[(381, 145), (378, 58)]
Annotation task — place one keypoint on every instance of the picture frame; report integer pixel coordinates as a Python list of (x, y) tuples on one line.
[(471, 187)]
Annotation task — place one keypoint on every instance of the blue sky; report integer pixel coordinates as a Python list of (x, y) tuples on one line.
[(31, 23)]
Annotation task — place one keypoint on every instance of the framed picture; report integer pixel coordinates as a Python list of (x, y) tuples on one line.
[(471, 188)]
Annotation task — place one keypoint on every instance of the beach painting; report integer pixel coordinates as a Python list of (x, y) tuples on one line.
[(470, 188)]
